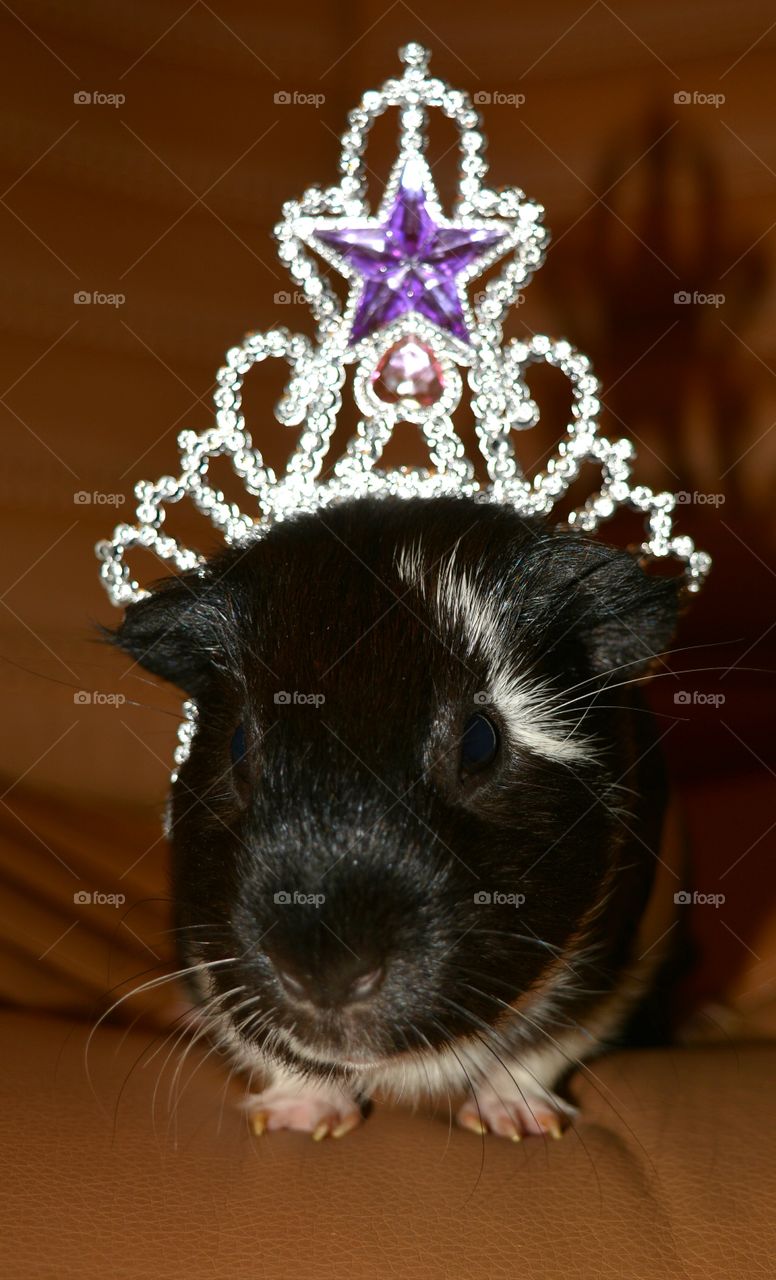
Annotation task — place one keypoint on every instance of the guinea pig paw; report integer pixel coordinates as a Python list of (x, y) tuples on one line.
[(322, 1113), (516, 1118)]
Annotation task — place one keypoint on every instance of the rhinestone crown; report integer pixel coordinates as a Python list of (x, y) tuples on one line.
[(413, 336)]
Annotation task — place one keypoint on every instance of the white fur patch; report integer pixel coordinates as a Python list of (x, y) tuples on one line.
[(451, 593), (530, 713), (457, 601)]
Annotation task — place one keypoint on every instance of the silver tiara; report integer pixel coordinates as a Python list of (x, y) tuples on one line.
[(413, 337)]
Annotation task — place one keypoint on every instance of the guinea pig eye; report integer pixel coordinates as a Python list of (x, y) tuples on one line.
[(238, 749), (479, 744)]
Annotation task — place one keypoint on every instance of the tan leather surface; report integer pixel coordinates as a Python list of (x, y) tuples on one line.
[(84, 904), (670, 1173)]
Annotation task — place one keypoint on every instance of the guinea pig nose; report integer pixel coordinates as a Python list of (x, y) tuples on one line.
[(331, 987), (365, 985), (292, 984)]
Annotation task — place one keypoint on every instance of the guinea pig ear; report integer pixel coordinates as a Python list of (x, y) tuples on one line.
[(626, 617), (172, 632), (598, 596)]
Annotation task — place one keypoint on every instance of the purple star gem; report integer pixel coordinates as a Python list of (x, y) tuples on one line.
[(409, 263)]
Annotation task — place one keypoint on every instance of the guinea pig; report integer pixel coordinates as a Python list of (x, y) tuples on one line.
[(415, 844)]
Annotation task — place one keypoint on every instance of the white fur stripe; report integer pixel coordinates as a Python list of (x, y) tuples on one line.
[(458, 602), (528, 710)]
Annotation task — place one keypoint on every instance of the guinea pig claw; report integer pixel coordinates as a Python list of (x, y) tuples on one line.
[(472, 1122), (332, 1129), (258, 1122), (517, 1117), (321, 1111), (347, 1125)]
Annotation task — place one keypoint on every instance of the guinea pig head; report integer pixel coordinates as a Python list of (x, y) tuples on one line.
[(400, 810)]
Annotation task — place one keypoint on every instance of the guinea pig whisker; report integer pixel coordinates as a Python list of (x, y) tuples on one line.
[(215, 1048), (70, 684), (163, 1039), (519, 937), (508, 933), (208, 1009), (211, 1027), (204, 1011), (492, 1035), (275, 1039), (601, 1088), (641, 711), (568, 992), (416, 1057), (589, 956), (230, 1075), (571, 1120), (123, 982), (186, 928), (182, 1030), (509, 987), (255, 1020), (261, 1015), (552, 704), (152, 985), (473, 1092), (486, 1044), (655, 675), (554, 950), (618, 785), (402, 1090), (421, 1059), (174, 1107), (665, 653), (160, 1040)]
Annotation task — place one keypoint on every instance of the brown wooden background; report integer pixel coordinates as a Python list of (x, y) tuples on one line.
[(170, 198)]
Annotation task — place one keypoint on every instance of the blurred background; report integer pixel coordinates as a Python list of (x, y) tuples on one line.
[(145, 153)]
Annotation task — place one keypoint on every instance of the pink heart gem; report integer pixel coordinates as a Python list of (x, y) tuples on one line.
[(409, 371)]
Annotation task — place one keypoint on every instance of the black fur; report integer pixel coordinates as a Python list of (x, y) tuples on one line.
[(360, 798)]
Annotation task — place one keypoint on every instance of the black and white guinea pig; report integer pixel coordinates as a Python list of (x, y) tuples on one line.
[(415, 843)]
